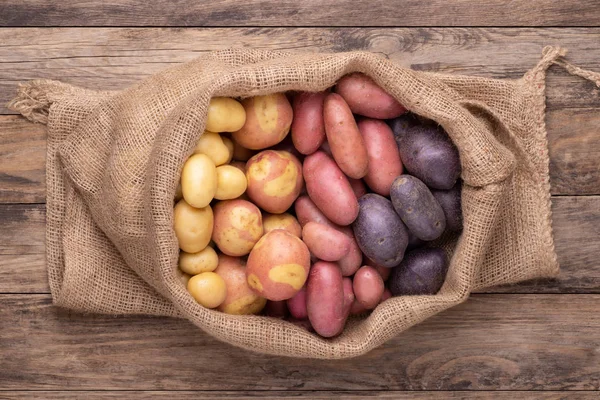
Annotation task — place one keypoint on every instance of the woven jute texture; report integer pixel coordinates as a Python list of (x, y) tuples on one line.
[(114, 161)]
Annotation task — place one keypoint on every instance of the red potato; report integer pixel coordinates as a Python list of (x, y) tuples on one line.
[(357, 308), (297, 305), (329, 189), (283, 221), (368, 287), (237, 226), (383, 271), (274, 180), (307, 211), (386, 295), (308, 127), (348, 295), (240, 153), (365, 97), (325, 242), (346, 143), (325, 147), (325, 299), (240, 299), (384, 158), (268, 121), (278, 265), (358, 187)]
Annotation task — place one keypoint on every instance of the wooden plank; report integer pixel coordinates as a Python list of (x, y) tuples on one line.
[(576, 223), (113, 58), (293, 13), (492, 342), (312, 394)]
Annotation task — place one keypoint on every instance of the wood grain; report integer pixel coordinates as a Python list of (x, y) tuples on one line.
[(312, 394), (576, 224), (114, 58), (294, 13), (492, 342)]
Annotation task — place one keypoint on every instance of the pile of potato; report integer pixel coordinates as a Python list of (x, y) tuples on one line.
[(309, 226)]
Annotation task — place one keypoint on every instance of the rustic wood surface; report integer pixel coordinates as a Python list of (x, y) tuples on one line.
[(537, 339)]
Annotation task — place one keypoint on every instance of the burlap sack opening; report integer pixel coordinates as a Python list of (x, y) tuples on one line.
[(114, 160)]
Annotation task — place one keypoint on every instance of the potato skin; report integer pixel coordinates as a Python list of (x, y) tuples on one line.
[(308, 126), (427, 153), (423, 271), (368, 287), (231, 183), (240, 153), (205, 260), (297, 305), (450, 201), (208, 289), (212, 144), (418, 209), (325, 299), (237, 227), (325, 242), (240, 298), (358, 187), (384, 159), (274, 180), (379, 231), (283, 221), (366, 98), (329, 189), (346, 143), (268, 121), (225, 115), (307, 211), (278, 265), (199, 180), (193, 226)]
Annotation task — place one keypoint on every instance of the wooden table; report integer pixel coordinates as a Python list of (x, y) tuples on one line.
[(539, 339)]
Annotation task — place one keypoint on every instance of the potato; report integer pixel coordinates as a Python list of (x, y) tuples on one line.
[(212, 145), (307, 211), (386, 295), (225, 115), (427, 153), (288, 146), (418, 209), (383, 271), (384, 159), (240, 153), (193, 226), (422, 271), (178, 192), (230, 147), (325, 299), (368, 287), (274, 180), (183, 277), (326, 149), (206, 260), (283, 221), (325, 242), (238, 226), (208, 289), (348, 295), (278, 265), (358, 187), (357, 308), (366, 98), (297, 305), (414, 242), (268, 121), (379, 231), (346, 143), (276, 309), (329, 189), (240, 298), (308, 127), (199, 180), (450, 201), (239, 165), (231, 183)]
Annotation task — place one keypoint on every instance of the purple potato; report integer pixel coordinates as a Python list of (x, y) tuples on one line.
[(451, 204), (427, 153), (379, 231), (417, 207), (413, 241), (422, 271)]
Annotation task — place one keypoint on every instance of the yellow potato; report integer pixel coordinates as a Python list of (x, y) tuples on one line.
[(193, 226), (268, 121), (225, 115), (230, 146), (208, 289), (231, 183), (199, 180), (212, 145), (283, 221), (241, 299), (205, 260), (238, 226)]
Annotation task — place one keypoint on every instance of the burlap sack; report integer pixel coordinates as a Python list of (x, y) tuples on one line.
[(114, 160)]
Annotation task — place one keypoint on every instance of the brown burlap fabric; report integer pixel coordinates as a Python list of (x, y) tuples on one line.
[(114, 160)]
